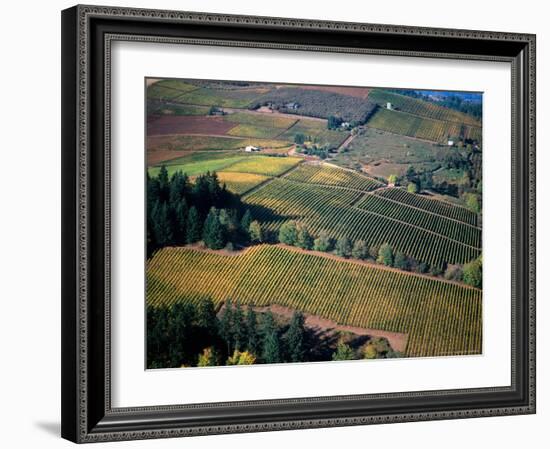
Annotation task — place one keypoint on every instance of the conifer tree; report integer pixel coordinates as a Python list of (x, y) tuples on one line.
[(295, 337), (271, 352), (226, 323), (193, 231), (238, 328), (251, 330), (213, 233)]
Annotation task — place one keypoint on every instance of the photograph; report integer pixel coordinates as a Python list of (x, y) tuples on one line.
[(299, 223)]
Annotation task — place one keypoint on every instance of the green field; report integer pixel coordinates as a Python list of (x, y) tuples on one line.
[(419, 107), (439, 317), (194, 168), (264, 165), (199, 163)]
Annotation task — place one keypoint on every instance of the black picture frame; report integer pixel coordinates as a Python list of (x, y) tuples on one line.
[(87, 414)]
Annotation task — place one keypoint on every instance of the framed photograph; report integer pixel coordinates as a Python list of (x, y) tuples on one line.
[(284, 223)]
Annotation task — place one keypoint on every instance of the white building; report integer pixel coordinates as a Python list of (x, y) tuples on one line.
[(388, 105), (251, 149), (450, 142)]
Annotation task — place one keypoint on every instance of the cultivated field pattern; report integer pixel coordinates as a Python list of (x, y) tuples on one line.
[(439, 317)]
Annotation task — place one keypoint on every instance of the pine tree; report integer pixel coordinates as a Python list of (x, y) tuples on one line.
[(238, 328), (213, 233), (180, 221), (193, 231), (206, 317), (226, 323), (295, 338), (161, 224), (164, 184), (251, 330), (271, 352)]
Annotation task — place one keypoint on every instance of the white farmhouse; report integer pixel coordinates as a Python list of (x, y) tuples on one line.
[(388, 105), (251, 149), (450, 142)]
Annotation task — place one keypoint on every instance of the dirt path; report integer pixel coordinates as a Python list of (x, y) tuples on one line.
[(326, 327), (346, 142)]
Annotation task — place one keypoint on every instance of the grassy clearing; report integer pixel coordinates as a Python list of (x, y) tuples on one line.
[(240, 183), (264, 165), (440, 318), (194, 168)]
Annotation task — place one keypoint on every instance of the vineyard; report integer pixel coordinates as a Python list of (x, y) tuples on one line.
[(453, 229), (431, 205), (332, 176), (344, 212), (420, 127), (440, 318), (422, 108)]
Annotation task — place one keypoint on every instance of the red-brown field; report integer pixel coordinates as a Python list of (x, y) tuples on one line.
[(189, 124), (358, 92)]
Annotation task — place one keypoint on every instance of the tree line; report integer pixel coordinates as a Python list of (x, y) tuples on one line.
[(180, 212), (192, 334), (295, 233)]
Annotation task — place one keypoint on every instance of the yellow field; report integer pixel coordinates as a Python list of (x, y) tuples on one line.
[(264, 165), (240, 183)]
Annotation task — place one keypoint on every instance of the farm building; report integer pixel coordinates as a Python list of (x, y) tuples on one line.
[(450, 142), (388, 106), (292, 105), (251, 149)]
